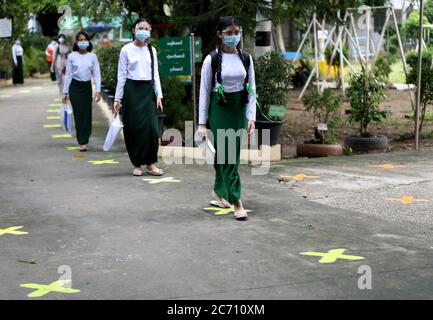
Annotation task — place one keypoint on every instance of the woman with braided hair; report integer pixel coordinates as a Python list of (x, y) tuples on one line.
[(227, 104), (139, 91)]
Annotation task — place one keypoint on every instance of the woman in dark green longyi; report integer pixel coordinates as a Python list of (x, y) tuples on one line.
[(82, 65), (227, 104), (139, 92)]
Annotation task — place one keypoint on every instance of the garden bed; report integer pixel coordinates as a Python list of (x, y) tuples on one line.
[(298, 124)]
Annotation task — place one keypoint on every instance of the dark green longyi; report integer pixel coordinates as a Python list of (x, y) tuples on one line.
[(227, 115)]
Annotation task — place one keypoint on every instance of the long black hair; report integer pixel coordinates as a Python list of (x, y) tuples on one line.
[(223, 23), (75, 46), (149, 46)]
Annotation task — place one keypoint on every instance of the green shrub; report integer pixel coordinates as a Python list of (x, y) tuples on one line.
[(34, 62), (34, 40), (382, 68), (6, 56), (426, 79), (411, 25), (365, 93), (108, 58), (273, 82), (177, 106), (325, 108)]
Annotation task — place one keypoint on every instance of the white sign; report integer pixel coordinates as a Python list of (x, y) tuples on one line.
[(322, 127), (5, 28)]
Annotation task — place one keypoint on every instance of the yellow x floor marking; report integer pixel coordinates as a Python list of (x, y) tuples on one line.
[(25, 91), (97, 162), (72, 148), (13, 230), (407, 200), (5, 96), (222, 211), (52, 125), (53, 117), (41, 289), (332, 255), (52, 111), (162, 180), (57, 99), (55, 105), (60, 136), (388, 166), (298, 177), (79, 155)]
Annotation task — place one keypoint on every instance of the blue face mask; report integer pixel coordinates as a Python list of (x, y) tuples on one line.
[(142, 35), (83, 45), (62, 40), (232, 41)]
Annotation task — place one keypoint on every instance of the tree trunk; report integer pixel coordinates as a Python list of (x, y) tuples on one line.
[(279, 33)]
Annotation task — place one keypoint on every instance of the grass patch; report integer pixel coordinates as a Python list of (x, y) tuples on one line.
[(397, 73)]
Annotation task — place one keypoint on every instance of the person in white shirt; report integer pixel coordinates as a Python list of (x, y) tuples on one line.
[(58, 64), (139, 91), (49, 54), (17, 56), (227, 102), (81, 66)]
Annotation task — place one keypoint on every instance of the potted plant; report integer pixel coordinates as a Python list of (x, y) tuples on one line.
[(273, 82), (326, 111), (365, 93)]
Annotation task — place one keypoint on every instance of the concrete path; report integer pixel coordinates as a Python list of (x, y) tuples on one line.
[(125, 238)]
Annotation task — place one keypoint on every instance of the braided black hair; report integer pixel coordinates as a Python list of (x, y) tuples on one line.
[(222, 24), (220, 59)]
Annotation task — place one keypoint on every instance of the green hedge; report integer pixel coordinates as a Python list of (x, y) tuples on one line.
[(34, 62), (108, 60), (6, 56)]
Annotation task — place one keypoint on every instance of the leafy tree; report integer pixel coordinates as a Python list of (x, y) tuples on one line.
[(365, 93), (325, 108), (426, 79), (411, 26)]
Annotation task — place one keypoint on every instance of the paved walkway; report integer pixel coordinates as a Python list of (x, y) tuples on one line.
[(123, 237)]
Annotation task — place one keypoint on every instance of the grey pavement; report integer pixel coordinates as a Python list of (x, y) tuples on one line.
[(125, 238)]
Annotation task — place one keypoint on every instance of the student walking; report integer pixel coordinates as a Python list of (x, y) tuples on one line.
[(227, 101), (81, 66), (58, 64), (49, 54), (138, 86), (18, 63)]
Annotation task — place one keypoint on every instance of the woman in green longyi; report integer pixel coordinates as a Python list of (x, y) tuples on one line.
[(139, 91), (227, 104)]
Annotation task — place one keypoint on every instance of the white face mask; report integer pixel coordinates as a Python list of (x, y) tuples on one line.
[(18, 42)]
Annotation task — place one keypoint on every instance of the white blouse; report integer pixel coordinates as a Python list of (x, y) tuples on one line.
[(135, 64), (17, 50), (232, 76), (82, 67)]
